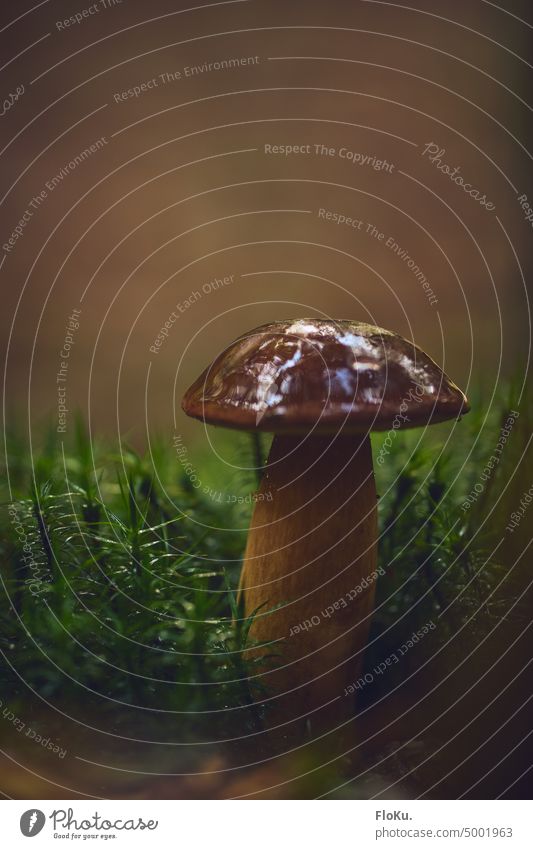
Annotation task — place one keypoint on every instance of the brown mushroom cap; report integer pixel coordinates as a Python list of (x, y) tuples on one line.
[(314, 374)]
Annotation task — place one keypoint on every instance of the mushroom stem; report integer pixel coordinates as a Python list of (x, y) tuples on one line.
[(312, 550)]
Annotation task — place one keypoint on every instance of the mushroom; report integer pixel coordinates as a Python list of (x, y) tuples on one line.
[(310, 566)]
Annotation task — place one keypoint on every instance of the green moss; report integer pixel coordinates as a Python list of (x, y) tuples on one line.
[(119, 594)]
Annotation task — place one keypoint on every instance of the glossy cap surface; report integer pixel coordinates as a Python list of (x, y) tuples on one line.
[(305, 374)]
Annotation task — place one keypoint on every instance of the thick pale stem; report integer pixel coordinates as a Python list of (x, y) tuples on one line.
[(312, 549)]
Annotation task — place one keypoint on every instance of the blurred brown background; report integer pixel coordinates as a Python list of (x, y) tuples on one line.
[(182, 191)]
